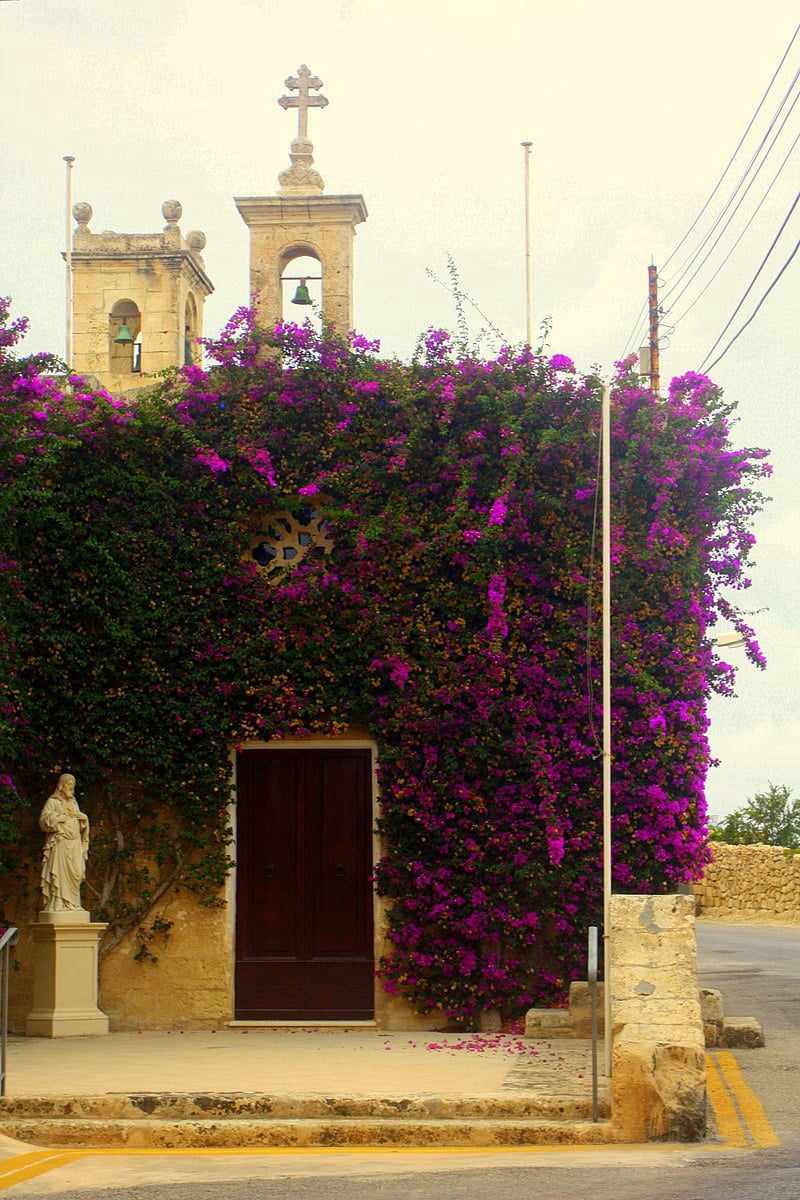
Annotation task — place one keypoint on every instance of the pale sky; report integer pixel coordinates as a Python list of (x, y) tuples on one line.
[(633, 114)]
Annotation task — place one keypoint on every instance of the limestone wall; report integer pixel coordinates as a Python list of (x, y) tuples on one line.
[(190, 987), (751, 883), (658, 1051)]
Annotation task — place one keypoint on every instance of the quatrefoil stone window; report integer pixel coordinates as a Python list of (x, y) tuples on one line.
[(285, 538)]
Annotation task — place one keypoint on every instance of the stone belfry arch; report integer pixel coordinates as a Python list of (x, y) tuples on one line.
[(300, 221)]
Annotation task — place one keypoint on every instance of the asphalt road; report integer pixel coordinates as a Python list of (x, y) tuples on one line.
[(757, 969)]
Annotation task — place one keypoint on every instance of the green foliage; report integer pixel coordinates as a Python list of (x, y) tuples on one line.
[(771, 818), (456, 619)]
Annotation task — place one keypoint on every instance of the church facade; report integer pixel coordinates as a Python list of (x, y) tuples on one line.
[(401, 739), (301, 929)]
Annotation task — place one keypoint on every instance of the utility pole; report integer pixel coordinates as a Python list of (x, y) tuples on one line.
[(652, 303)]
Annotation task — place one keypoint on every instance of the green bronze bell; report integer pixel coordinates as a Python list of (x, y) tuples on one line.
[(302, 296), (124, 334)]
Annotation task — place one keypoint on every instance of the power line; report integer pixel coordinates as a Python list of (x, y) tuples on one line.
[(753, 316), (753, 216), (631, 342), (677, 278), (739, 203), (751, 284), (718, 184)]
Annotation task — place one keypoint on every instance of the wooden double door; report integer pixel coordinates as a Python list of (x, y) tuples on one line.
[(304, 929)]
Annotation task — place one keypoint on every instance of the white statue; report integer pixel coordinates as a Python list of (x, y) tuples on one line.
[(66, 848)]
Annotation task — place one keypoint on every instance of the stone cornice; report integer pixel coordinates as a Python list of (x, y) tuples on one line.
[(132, 259), (298, 210)]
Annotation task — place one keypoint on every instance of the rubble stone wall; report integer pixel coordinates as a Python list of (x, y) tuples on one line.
[(750, 883)]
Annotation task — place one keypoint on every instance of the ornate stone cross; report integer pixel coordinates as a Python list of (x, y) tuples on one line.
[(302, 102)]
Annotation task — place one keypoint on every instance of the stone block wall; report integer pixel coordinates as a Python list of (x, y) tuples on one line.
[(750, 883), (190, 987), (658, 1078)]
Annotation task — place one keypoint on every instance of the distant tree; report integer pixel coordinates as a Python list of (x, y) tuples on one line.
[(771, 817)]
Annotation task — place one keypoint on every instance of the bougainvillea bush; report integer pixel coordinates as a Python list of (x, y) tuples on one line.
[(456, 619)]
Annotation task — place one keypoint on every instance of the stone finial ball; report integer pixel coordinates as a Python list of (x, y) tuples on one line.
[(196, 240), (172, 210), (82, 212)]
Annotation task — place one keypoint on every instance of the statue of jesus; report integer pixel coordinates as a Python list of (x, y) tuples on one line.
[(66, 848)]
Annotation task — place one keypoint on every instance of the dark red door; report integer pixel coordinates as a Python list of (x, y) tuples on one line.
[(304, 945)]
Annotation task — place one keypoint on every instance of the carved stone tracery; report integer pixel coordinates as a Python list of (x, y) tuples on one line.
[(284, 539)]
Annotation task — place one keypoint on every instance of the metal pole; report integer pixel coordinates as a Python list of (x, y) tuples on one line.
[(8, 939), (652, 303), (69, 159), (606, 423), (4, 1018), (591, 976), (528, 318)]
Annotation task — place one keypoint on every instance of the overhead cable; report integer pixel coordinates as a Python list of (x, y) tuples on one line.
[(738, 205), (754, 314), (744, 230), (693, 257), (751, 284), (631, 342), (718, 184)]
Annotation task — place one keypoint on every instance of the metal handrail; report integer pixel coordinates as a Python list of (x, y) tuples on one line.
[(591, 975), (7, 939)]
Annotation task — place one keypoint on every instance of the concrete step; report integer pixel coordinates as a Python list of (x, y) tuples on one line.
[(224, 1106), (172, 1119), (147, 1133)]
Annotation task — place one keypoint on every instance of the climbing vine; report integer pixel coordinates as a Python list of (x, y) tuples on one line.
[(456, 617)]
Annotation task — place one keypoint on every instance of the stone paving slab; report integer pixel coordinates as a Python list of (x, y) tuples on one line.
[(343, 1062), (300, 1087)]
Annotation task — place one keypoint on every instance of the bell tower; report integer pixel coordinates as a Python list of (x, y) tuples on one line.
[(138, 300), (301, 222)]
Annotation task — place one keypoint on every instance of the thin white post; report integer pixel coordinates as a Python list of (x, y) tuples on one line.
[(69, 159), (528, 318), (606, 456)]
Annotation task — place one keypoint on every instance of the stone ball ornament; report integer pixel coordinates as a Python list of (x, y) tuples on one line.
[(196, 240), (82, 212), (172, 211)]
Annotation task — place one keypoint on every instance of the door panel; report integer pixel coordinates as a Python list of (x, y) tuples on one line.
[(274, 878), (337, 863), (304, 940)]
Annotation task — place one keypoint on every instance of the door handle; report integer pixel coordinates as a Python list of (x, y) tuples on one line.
[(271, 871), (338, 871)]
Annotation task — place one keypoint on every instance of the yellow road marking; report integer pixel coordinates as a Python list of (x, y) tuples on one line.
[(725, 1113), (27, 1166), (749, 1104)]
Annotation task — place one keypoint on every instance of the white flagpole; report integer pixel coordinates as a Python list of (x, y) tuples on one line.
[(69, 159), (606, 456), (528, 318)]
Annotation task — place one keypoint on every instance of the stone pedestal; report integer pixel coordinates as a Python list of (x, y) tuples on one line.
[(65, 976)]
